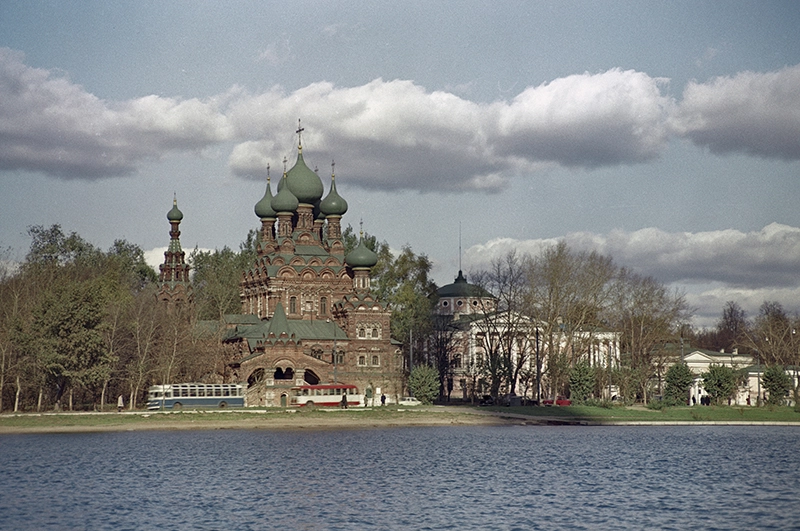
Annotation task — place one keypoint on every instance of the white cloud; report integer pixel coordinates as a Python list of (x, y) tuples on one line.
[(588, 120), (51, 125), (753, 113), (395, 134), (712, 267)]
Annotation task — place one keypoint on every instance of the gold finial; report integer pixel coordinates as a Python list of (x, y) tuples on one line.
[(333, 168), (267, 172), (174, 199), (284, 166)]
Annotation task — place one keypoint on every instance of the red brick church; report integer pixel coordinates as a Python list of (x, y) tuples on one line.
[(308, 315)]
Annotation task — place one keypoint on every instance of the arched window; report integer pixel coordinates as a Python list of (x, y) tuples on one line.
[(293, 305), (323, 306), (376, 360), (362, 360)]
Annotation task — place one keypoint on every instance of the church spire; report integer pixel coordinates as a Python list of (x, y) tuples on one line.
[(174, 272)]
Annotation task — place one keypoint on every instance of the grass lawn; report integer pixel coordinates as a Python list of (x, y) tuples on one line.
[(306, 417), (667, 414), (390, 415)]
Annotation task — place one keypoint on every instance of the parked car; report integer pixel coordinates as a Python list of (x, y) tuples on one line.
[(558, 401), (409, 401)]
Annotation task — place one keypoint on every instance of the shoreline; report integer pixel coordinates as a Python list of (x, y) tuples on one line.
[(190, 420), (317, 419)]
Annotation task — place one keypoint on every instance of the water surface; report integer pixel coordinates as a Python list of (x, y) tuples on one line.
[(522, 477)]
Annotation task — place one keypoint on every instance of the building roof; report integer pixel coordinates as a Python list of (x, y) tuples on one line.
[(461, 288)]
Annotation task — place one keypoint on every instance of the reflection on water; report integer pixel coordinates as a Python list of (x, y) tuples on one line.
[(523, 477)]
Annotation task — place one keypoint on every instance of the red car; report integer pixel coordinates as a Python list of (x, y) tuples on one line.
[(559, 401)]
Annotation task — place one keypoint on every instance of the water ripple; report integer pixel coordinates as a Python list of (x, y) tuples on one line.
[(504, 478)]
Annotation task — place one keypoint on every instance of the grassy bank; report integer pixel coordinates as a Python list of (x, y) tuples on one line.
[(667, 414), (277, 418)]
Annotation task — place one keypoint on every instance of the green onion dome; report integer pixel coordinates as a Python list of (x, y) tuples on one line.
[(361, 256), (333, 204), (303, 182), (284, 200), (174, 214), (263, 208)]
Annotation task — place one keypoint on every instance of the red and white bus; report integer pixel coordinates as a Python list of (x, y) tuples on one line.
[(326, 395)]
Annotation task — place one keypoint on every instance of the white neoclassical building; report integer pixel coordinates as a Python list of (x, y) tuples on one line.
[(482, 327)]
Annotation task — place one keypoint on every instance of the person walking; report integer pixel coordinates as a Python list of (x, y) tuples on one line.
[(120, 404)]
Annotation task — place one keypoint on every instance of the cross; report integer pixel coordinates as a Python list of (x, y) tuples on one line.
[(267, 171), (300, 129), (333, 167)]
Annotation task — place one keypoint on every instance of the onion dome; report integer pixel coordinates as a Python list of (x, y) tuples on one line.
[(284, 200), (174, 214), (303, 182), (361, 256), (333, 204), (263, 208)]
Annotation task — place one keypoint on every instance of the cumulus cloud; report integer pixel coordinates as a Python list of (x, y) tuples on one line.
[(395, 134), (712, 267), (51, 125), (588, 120), (753, 113)]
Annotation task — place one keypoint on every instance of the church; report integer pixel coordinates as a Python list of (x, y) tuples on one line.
[(308, 314)]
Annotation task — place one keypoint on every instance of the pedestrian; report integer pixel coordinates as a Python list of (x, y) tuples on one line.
[(120, 404), (344, 401), (383, 399)]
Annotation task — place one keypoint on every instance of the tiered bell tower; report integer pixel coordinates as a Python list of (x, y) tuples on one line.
[(175, 288)]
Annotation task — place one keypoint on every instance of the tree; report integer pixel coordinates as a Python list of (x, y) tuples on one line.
[(217, 277), (772, 335), (720, 382), (679, 379), (442, 344), (648, 315), (581, 381), (569, 298), (424, 383), (776, 383)]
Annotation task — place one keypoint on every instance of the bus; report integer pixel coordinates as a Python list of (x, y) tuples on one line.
[(326, 395), (195, 395)]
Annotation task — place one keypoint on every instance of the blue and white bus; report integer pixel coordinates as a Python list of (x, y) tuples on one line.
[(195, 395)]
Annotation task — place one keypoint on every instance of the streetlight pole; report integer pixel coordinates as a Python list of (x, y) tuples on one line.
[(538, 371)]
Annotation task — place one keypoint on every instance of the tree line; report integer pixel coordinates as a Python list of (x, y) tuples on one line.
[(80, 326)]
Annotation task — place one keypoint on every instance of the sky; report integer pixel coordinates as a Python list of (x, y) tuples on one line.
[(663, 134)]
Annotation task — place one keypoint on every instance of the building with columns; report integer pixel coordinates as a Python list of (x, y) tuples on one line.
[(481, 326), (308, 314)]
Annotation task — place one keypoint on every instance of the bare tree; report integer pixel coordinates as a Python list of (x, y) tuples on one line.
[(505, 330), (569, 297), (648, 315), (772, 335)]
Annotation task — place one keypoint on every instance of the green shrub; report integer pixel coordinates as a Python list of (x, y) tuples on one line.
[(424, 383)]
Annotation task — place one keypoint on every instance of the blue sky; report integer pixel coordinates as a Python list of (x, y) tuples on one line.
[(666, 134)]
